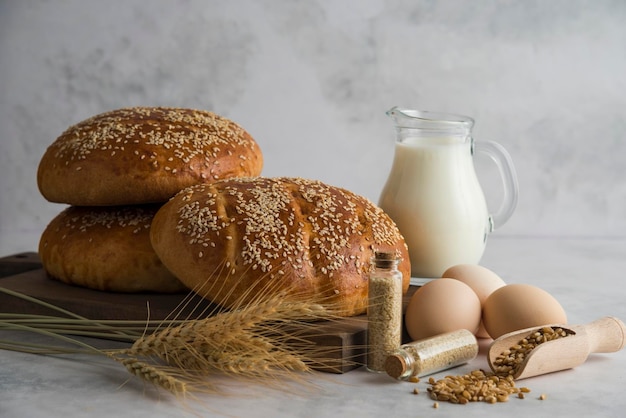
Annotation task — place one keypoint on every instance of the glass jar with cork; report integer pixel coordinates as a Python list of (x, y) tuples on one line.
[(431, 355), (384, 312)]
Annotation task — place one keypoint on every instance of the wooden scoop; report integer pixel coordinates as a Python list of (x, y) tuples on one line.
[(605, 335)]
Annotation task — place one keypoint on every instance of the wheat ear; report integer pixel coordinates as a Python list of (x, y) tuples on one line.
[(153, 374)]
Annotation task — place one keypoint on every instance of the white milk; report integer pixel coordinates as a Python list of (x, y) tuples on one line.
[(434, 197)]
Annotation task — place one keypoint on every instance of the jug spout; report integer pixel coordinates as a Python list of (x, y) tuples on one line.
[(430, 121), (398, 114)]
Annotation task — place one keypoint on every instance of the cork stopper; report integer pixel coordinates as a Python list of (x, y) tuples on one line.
[(384, 255), (395, 366), (385, 259)]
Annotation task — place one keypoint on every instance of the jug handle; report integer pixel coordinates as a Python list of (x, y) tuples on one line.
[(498, 154)]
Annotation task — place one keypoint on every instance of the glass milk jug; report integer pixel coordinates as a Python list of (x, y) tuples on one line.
[(433, 194)]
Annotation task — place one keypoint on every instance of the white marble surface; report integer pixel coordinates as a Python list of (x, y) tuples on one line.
[(314, 78), (585, 275)]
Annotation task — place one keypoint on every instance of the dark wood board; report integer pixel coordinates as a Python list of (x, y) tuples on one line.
[(89, 303), (343, 341)]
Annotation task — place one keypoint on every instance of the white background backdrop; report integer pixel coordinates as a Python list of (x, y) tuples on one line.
[(311, 81)]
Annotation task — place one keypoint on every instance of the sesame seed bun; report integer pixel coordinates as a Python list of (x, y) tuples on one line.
[(105, 248), (144, 155), (233, 238)]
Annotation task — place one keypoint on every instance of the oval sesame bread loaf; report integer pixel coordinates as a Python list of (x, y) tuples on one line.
[(233, 238), (144, 155), (105, 248)]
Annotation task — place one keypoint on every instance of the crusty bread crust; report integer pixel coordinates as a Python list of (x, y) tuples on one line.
[(144, 155), (230, 239), (106, 248)]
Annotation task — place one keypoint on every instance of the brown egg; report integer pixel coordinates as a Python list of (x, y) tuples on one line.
[(442, 305), (482, 281), (518, 306)]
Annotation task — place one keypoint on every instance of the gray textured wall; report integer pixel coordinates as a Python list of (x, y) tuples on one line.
[(311, 81)]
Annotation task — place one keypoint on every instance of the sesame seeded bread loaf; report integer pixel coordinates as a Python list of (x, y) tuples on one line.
[(144, 155), (105, 248), (236, 237)]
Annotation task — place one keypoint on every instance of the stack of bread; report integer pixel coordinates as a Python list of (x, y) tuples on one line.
[(115, 170), (172, 199)]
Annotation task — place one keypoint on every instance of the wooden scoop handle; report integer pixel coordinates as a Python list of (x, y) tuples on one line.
[(605, 335)]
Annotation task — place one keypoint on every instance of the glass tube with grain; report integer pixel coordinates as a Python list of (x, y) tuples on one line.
[(431, 355), (384, 311)]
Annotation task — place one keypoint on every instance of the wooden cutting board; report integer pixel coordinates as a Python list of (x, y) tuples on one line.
[(343, 341)]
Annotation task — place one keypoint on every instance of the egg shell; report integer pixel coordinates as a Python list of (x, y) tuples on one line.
[(482, 281), (518, 306), (440, 306)]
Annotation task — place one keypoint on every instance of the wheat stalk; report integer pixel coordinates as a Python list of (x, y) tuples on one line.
[(247, 341), (263, 338)]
